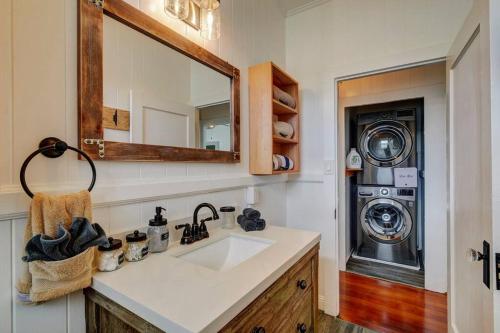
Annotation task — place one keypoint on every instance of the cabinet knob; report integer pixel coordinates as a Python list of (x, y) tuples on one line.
[(259, 329), (302, 284), (302, 328)]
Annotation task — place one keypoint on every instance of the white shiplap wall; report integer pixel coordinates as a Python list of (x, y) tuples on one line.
[(38, 98), (342, 38)]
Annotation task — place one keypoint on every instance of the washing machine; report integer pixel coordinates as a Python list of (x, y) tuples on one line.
[(387, 139), (387, 225)]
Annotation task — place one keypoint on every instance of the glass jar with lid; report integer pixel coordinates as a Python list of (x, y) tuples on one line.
[(110, 257), (137, 246), (158, 233), (228, 217)]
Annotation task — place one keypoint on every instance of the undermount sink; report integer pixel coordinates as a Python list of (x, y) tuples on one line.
[(226, 253)]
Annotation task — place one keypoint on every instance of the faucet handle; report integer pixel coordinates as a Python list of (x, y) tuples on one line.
[(203, 228), (187, 238)]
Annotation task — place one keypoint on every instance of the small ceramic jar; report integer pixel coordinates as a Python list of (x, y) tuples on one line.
[(110, 258), (137, 248)]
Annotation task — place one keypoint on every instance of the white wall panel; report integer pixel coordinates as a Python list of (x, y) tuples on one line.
[(49, 317), (39, 99), (340, 38), (6, 91), (5, 276), (76, 312)]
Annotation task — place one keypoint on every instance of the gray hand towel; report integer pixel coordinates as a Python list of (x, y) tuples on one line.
[(85, 235), (82, 235), (43, 247)]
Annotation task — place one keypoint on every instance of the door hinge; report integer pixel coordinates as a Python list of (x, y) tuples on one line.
[(335, 213)]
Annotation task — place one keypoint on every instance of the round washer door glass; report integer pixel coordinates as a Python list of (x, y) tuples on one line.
[(385, 144), (386, 220)]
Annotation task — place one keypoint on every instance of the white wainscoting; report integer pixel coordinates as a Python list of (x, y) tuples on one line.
[(66, 315)]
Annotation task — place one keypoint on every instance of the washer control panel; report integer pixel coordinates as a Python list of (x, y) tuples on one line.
[(386, 192)]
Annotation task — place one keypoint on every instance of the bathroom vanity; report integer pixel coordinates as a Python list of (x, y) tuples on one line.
[(265, 281)]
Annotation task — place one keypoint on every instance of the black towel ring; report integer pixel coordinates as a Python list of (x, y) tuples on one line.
[(53, 148)]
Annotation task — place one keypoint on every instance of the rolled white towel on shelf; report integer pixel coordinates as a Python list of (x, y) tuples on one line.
[(284, 97), (281, 162), (276, 163), (283, 129)]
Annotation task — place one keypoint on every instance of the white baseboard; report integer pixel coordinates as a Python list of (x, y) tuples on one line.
[(321, 302)]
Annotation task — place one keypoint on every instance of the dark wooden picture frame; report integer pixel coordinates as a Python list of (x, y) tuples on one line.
[(90, 86)]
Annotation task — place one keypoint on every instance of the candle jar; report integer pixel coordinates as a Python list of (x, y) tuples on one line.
[(137, 248), (110, 258)]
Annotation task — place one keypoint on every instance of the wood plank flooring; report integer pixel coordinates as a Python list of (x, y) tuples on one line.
[(388, 307), (386, 272), (329, 324)]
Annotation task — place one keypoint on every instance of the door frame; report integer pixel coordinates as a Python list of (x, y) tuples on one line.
[(451, 65), (340, 194)]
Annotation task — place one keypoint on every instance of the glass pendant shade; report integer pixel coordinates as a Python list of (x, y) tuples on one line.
[(210, 4), (210, 23), (177, 8)]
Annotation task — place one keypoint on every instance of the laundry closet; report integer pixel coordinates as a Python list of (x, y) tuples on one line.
[(389, 219)]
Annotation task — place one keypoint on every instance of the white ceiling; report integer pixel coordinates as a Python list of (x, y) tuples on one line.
[(290, 6)]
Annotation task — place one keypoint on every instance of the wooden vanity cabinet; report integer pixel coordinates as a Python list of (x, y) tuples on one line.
[(289, 305)]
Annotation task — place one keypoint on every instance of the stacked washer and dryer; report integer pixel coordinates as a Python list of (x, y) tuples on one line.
[(388, 220)]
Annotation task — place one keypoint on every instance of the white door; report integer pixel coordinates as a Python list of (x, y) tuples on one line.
[(471, 305)]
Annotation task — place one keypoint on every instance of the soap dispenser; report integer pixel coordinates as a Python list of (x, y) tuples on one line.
[(158, 232)]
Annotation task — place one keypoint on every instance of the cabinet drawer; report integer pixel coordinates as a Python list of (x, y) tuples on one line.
[(274, 306), (300, 316)]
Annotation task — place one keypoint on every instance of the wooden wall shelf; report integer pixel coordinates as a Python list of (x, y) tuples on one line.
[(263, 108), (280, 108), (279, 139)]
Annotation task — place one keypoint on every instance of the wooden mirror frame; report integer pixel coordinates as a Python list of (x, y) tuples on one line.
[(90, 86)]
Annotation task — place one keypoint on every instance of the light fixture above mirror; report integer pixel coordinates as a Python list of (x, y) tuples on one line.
[(177, 8), (202, 15)]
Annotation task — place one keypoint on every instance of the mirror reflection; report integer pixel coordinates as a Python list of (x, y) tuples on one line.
[(158, 96)]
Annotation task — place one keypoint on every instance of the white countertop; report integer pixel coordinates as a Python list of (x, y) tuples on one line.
[(178, 296)]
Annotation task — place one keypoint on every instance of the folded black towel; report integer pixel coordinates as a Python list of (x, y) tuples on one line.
[(251, 225), (260, 224), (81, 236), (251, 214)]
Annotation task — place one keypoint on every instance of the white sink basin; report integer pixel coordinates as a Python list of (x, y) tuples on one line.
[(226, 253)]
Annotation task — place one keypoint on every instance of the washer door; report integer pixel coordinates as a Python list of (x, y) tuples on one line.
[(386, 221), (385, 144)]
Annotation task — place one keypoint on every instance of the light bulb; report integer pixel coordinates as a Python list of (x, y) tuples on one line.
[(177, 8), (210, 23), (209, 4)]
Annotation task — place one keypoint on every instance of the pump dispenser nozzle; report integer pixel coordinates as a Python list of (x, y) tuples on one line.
[(158, 219)]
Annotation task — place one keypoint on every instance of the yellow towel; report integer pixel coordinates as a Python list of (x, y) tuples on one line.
[(46, 213)]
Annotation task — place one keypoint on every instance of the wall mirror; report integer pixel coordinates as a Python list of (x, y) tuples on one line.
[(147, 93)]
